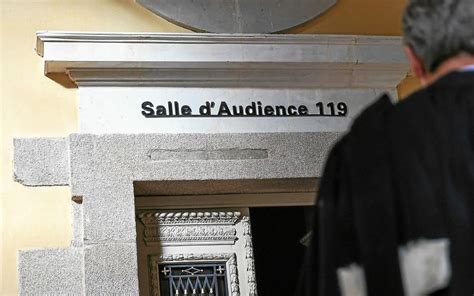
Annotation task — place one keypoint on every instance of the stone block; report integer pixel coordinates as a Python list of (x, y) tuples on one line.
[(82, 158), (111, 269), (138, 157), (109, 212), (41, 161), (77, 224), (51, 272)]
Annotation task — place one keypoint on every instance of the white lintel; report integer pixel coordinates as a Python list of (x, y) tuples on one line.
[(168, 59)]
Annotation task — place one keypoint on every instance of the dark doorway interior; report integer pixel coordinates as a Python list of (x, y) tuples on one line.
[(278, 251)]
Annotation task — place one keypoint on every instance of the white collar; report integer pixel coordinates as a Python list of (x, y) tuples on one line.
[(468, 68)]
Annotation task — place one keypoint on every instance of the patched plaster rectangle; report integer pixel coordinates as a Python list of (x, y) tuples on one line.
[(219, 154)]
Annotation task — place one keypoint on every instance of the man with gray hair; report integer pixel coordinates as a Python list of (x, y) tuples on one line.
[(439, 37), (395, 210)]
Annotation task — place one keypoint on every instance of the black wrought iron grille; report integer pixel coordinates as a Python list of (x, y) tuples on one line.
[(203, 279)]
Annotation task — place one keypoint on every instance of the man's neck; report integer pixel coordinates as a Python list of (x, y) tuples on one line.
[(455, 63)]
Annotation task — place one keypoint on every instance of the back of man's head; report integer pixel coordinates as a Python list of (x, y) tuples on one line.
[(437, 30)]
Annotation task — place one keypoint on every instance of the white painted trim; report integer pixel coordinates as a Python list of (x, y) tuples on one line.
[(212, 38), (152, 58)]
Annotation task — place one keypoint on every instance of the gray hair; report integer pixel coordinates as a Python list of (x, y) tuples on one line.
[(439, 29)]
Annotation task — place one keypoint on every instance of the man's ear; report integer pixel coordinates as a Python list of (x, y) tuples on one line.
[(416, 65)]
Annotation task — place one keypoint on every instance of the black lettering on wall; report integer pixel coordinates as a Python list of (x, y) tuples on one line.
[(253, 109), (292, 110), (224, 110), (147, 108), (186, 110), (303, 110), (280, 110)]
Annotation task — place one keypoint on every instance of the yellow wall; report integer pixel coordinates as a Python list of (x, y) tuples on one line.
[(35, 106), (361, 17)]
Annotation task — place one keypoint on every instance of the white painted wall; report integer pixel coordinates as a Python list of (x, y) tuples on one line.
[(119, 109)]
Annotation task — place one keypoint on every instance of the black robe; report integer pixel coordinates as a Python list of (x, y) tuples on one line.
[(403, 172)]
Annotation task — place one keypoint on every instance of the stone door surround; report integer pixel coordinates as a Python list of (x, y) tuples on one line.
[(107, 169)]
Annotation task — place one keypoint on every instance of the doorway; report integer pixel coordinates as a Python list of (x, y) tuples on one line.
[(278, 234), (189, 225)]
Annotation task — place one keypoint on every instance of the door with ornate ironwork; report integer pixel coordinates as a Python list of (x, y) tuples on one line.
[(201, 252), (201, 279)]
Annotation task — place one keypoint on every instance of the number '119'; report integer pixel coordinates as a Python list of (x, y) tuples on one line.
[(331, 109)]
